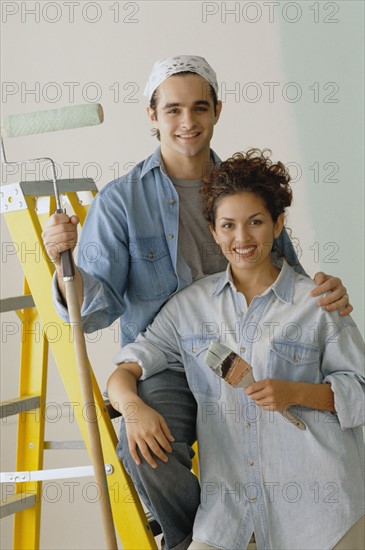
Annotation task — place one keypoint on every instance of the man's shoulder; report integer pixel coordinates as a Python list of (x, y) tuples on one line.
[(126, 182), (307, 304)]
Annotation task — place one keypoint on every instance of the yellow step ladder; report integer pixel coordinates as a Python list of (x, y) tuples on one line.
[(20, 205)]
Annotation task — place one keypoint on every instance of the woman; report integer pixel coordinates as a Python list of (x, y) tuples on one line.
[(294, 489)]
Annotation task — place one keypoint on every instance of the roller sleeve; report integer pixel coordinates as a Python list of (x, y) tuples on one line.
[(74, 116)]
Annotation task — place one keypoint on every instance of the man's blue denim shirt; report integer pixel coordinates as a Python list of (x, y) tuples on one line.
[(128, 255), (295, 489)]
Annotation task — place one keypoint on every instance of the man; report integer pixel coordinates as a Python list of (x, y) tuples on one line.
[(150, 241)]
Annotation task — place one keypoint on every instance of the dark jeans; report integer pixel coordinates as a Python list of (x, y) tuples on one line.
[(171, 492)]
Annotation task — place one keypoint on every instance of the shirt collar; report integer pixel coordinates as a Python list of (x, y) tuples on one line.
[(154, 161), (283, 287), (224, 279)]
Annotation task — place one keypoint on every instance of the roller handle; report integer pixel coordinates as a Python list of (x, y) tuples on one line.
[(96, 450), (68, 266), (67, 261)]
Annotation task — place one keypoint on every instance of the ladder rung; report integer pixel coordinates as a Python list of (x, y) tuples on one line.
[(53, 445), (19, 405), (17, 503), (54, 473), (16, 302)]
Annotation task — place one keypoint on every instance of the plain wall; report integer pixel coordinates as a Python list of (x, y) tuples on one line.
[(291, 79)]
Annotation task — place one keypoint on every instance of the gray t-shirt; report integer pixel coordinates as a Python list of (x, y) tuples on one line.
[(196, 243)]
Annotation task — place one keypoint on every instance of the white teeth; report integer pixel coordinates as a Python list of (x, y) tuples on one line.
[(244, 250), (189, 135)]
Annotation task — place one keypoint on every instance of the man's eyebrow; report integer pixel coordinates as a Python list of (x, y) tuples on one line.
[(202, 102), (175, 104)]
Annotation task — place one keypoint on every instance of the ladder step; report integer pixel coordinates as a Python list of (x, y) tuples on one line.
[(54, 473), (43, 188), (16, 302), (19, 405), (54, 445), (17, 503)]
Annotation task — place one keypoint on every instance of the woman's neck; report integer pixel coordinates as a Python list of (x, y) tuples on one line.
[(254, 282)]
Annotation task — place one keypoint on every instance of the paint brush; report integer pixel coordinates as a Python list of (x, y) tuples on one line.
[(238, 373)]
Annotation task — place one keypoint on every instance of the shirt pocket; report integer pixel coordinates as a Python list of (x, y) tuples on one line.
[(202, 380), (294, 361), (151, 273)]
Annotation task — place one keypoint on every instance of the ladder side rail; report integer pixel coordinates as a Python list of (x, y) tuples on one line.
[(130, 520), (31, 426)]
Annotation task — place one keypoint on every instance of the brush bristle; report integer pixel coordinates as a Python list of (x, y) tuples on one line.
[(215, 356)]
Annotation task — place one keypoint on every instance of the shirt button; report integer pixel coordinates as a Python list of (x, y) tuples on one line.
[(151, 255), (248, 424), (240, 314), (172, 201), (296, 358), (251, 463), (170, 236), (242, 350), (252, 316), (254, 500), (193, 350)]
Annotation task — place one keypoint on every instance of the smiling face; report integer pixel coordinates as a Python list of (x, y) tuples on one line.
[(245, 231), (185, 118)]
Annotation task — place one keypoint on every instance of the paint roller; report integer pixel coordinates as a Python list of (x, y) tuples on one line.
[(75, 116), (65, 118)]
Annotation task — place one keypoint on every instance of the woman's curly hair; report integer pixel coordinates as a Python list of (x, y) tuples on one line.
[(251, 172)]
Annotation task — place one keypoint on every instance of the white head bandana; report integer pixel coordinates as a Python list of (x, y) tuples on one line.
[(163, 68)]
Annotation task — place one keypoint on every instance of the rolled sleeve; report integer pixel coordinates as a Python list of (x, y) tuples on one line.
[(96, 310), (158, 348), (147, 355), (343, 368)]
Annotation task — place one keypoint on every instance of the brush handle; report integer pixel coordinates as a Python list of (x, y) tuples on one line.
[(239, 373), (248, 379), (290, 417)]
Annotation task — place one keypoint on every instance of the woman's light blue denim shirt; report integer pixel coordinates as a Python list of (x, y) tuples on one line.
[(128, 253), (295, 489)]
